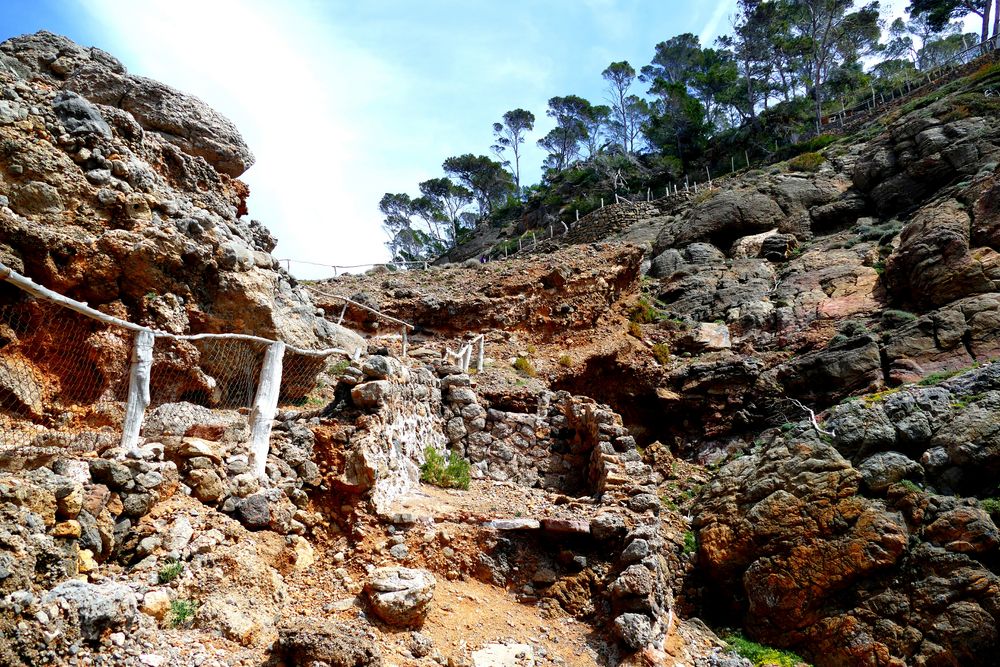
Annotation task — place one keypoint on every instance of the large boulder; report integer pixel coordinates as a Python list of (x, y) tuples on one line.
[(307, 641), (97, 608), (181, 119), (400, 596)]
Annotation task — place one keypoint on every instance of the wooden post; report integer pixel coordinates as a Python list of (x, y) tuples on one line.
[(675, 190), (534, 241), (696, 187), (482, 353), (551, 232), (616, 197), (467, 358), (343, 311), (565, 227), (578, 215), (519, 244), (746, 154), (602, 202), (709, 174), (406, 341), (138, 391), (265, 407), (732, 165), (649, 194)]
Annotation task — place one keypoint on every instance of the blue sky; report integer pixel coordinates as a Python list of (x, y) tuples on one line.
[(342, 101)]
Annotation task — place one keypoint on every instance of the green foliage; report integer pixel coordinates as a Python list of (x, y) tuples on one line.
[(893, 319), (524, 366), (991, 505), (938, 377), (761, 655), (853, 328), (661, 352), (339, 367), (882, 232), (809, 162), (566, 361), (909, 486), (690, 542), (634, 329), (452, 473), (182, 612), (170, 571), (644, 312)]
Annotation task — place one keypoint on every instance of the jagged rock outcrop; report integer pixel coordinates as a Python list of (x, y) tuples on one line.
[(96, 75), (871, 570)]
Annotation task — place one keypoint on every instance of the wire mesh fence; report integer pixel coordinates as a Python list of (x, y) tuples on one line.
[(63, 376), (73, 377)]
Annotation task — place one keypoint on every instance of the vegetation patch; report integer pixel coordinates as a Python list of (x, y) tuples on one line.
[(808, 162), (450, 473), (937, 377), (524, 366), (991, 505), (566, 361), (644, 312), (761, 655), (661, 352), (182, 613), (690, 542), (170, 571), (893, 319)]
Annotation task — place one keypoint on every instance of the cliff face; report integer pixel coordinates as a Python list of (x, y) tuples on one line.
[(122, 192), (772, 405), (870, 537)]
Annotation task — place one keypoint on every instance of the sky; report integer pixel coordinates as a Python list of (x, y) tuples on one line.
[(342, 101)]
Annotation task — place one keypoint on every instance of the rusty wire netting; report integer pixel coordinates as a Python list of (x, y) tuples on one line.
[(308, 381), (63, 377), (73, 376)]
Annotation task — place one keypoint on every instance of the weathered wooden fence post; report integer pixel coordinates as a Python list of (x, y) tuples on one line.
[(138, 390), (265, 407), (406, 341), (482, 353)]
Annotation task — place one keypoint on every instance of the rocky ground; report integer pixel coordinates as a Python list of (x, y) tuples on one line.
[(768, 408)]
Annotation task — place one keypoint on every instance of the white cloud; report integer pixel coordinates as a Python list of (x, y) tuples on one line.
[(715, 26)]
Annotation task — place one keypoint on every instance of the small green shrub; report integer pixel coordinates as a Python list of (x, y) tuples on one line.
[(566, 361), (893, 319), (339, 367), (991, 505), (909, 486), (807, 162), (690, 542), (644, 312), (761, 655), (170, 571), (938, 376), (661, 352), (182, 612), (452, 473), (524, 366), (634, 329)]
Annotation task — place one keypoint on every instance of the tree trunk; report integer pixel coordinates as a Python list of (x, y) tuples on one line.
[(986, 20)]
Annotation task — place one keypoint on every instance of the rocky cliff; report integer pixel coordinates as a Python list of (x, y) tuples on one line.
[(768, 408), (122, 192)]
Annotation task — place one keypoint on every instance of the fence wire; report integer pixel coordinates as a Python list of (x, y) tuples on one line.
[(63, 376)]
